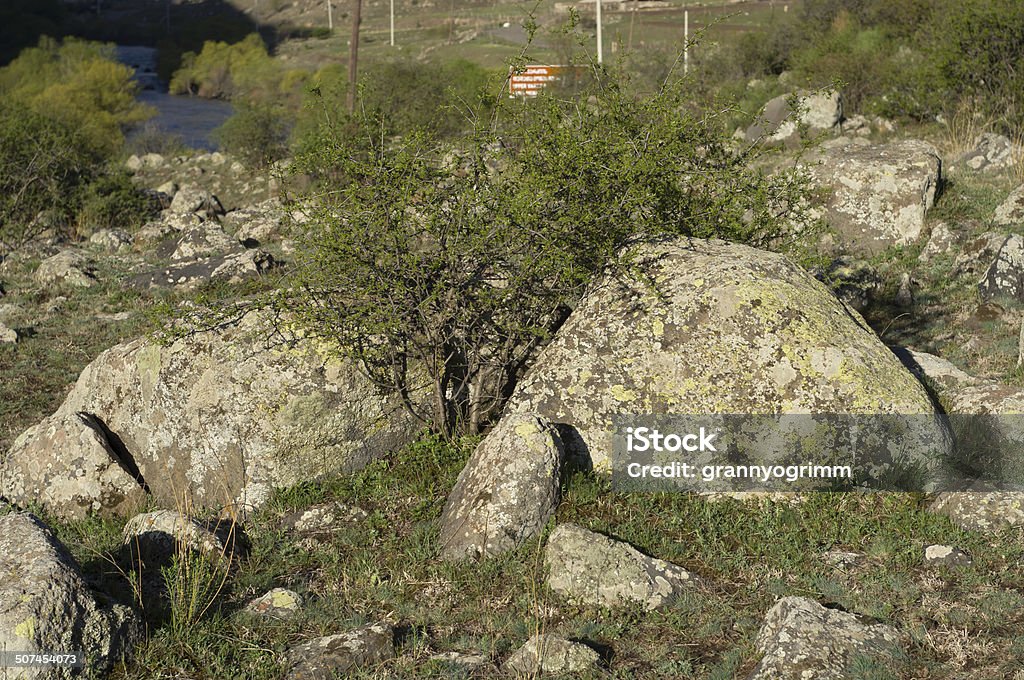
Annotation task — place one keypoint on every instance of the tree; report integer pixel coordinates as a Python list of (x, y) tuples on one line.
[(447, 269)]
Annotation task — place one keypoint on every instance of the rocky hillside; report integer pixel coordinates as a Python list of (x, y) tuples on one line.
[(237, 502)]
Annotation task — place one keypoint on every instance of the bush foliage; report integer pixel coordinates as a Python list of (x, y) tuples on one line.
[(448, 268)]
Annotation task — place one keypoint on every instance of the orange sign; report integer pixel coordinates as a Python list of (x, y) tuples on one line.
[(530, 81)]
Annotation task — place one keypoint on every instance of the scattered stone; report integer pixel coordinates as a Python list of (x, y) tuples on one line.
[(1011, 211), (111, 240), (259, 223), (941, 242), (8, 336), (991, 152), (842, 559), (233, 269), (469, 662), (595, 569), (133, 164), (155, 537), (65, 268), (153, 160), (725, 314), (878, 194), (223, 416), (507, 491), (47, 606), (337, 655), (1005, 276), (551, 654), (190, 198), (945, 556), (203, 240), (168, 188), (322, 519), (976, 254), (802, 639), (983, 509), (152, 233), (819, 111), (857, 125), (217, 158), (279, 603)]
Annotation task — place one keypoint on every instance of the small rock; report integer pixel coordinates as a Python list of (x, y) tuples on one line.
[(981, 510), (1011, 211), (111, 240), (507, 491), (8, 336), (217, 158), (322, 519), (841, 559), (168, 188), (802, 639), (334, 656), (941, 241), (1005, 276), (155, 537), (153, 160), (905, 293), (469, 662), (946, 556), (191, 198), (66, 267), (598, 570), (990, 152), (134, 163), (279, 603), (551, 654)]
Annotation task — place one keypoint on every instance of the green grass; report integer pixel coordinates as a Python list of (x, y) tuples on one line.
[(747, 554)]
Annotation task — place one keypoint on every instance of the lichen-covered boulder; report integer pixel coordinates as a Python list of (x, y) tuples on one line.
[(156, 537), (801, 639), (68, 267), (261, 223), (818, 111), (1005, 275), (991, 152), (507, 491), (202, 240), (191, 198), (1011, 211), (336, 656), (69, 464), (46, 606), (221, 416), (232, 268), (723, 329), (594, 569), (548, 653), (982, 508), (878, 195)]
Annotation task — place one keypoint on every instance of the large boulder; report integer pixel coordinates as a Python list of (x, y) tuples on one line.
[(202, 240), (878, 195), (507, 491), (818, 111), (191, 198), (991, 152), (594, 569), (802, 639), (46, 606), (68, 267), (232, 268), (219, 416), (724, 329), (548, 653)]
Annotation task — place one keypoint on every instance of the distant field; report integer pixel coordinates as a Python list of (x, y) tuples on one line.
[(477, 31)]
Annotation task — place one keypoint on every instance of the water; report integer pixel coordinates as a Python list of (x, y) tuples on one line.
[(191, 119)]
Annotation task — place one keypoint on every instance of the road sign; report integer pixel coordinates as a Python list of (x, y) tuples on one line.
[(532, 79)]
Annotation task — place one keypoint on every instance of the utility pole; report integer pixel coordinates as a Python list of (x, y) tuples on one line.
[(330, 16), (353, 57), (600, 51), (686, 42), (392, 23)]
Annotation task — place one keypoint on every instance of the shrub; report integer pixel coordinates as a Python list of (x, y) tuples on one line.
[(452, 269), (44, 164), (79, 83), (112, 201), (256, 133)]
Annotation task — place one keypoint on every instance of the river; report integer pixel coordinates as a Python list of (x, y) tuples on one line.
[(191, 119)]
